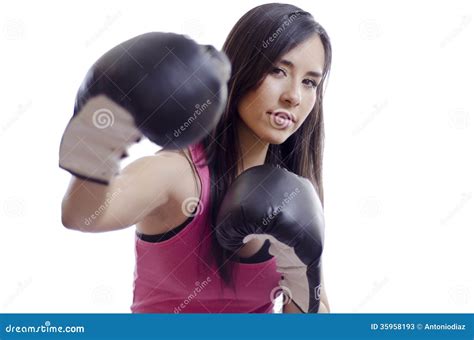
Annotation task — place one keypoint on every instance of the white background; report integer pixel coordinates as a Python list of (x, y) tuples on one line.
[(398, 170)]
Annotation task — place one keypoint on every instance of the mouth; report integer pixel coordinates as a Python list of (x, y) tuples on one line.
[(283, 115), (281, 119)]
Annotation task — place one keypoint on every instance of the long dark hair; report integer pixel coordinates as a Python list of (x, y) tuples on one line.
[(258, 40)]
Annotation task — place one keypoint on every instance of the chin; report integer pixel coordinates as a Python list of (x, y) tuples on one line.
[(274, 138)]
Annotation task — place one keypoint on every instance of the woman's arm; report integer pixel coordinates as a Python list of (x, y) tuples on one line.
[(142, 187)]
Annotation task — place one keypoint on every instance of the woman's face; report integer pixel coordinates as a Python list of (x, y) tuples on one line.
[(279, 106)]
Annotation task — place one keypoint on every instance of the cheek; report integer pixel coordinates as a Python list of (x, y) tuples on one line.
[(311, 100), (246, 106), (257, 101), (271, 89), (308, 105)]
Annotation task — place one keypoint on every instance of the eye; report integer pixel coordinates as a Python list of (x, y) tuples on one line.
[(310, 83), (277, 70)]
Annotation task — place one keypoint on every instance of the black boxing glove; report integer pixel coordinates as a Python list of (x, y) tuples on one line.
[(274, 203), (162, 85)]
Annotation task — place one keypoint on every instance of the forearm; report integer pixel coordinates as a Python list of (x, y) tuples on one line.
[(82, 199)]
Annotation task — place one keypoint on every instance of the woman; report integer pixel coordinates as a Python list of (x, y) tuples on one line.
[(280, 59)]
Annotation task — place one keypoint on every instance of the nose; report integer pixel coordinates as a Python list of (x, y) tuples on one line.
[(292, 95)]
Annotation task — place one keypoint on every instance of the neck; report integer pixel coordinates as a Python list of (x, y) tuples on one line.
[(253, 149)]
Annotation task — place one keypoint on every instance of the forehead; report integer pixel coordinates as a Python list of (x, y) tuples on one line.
[(307, 56)]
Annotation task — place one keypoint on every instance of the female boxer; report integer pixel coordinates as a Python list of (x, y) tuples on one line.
[(280, 59)]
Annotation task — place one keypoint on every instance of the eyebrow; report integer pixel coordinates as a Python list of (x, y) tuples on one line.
[(291, 65)]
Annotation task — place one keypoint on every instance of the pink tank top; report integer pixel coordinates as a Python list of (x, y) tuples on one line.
[(178, 275)]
